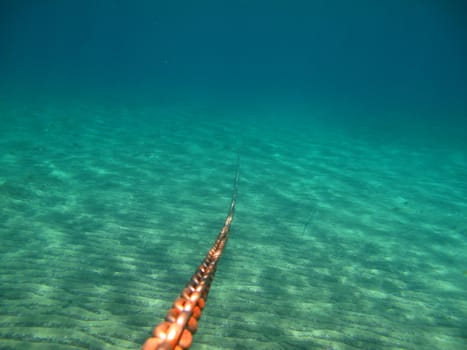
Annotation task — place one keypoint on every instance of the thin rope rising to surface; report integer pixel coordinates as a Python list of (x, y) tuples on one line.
[(181, 321)]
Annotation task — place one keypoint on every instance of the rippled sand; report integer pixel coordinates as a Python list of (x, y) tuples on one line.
[(339, 242)]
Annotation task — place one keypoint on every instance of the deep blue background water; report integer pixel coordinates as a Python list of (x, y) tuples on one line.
[(363, 59)]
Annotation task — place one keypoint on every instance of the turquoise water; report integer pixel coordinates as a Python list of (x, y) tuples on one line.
[(343, 239), (120, 126)]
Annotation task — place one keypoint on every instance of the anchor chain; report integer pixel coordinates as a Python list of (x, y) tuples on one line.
[(181, 321)]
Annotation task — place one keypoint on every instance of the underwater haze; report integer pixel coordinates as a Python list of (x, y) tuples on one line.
[(120, 126)]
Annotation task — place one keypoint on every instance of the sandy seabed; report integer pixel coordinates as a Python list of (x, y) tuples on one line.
[(339, 242)]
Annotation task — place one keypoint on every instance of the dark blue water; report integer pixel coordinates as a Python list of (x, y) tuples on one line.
[(393, 57)]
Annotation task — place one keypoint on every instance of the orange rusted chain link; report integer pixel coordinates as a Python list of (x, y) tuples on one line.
[(181, 321)]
